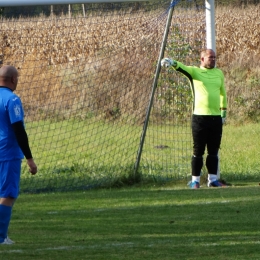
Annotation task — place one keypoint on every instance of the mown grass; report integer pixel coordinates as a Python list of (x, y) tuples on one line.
[(240, 151), (145, 222), (78, 155)]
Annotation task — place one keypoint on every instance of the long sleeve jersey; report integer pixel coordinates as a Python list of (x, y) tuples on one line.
[(208, 89)]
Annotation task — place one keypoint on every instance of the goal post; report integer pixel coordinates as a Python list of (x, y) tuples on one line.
[(154, 86), (86, 83), (211, 39)]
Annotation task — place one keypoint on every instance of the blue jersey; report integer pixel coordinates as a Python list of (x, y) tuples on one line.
[(11, 111)]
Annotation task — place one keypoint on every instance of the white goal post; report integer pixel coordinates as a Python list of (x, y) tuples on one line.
[(211, 39), (210, 24)]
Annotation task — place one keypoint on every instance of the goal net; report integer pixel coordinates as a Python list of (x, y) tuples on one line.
[(86, 78)]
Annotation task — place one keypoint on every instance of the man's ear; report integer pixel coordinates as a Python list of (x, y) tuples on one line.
[(13, 79)]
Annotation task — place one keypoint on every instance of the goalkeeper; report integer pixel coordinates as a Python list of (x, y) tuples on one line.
[(209, 113)]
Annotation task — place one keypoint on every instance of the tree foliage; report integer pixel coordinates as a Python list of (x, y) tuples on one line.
[(31, 11)]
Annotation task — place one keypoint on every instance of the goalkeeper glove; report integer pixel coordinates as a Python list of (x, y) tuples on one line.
[(223, 115), (167, 62)]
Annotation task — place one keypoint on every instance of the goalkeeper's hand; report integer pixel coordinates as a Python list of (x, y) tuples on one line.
[(223, 115), (167, 62)]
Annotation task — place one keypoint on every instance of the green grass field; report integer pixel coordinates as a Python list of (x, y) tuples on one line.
[(145, 222), (78, 155), (150, 220), (240, 152)]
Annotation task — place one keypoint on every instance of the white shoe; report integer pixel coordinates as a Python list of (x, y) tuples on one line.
[(7, 241), (10, 241)]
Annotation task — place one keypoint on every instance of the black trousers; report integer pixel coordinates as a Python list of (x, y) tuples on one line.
[(206, 133)]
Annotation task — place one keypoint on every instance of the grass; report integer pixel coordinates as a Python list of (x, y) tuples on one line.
[(239, 151), (145, 222), (108, 153)]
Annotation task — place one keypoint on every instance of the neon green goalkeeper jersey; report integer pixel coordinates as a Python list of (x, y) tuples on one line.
[(208, 89)]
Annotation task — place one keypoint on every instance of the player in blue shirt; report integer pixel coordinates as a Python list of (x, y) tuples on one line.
[(14, 146)]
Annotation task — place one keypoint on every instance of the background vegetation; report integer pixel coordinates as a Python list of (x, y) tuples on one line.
[(76, 9), (237, 36)]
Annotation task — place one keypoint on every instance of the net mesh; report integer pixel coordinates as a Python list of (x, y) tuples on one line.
[(85, 81)]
